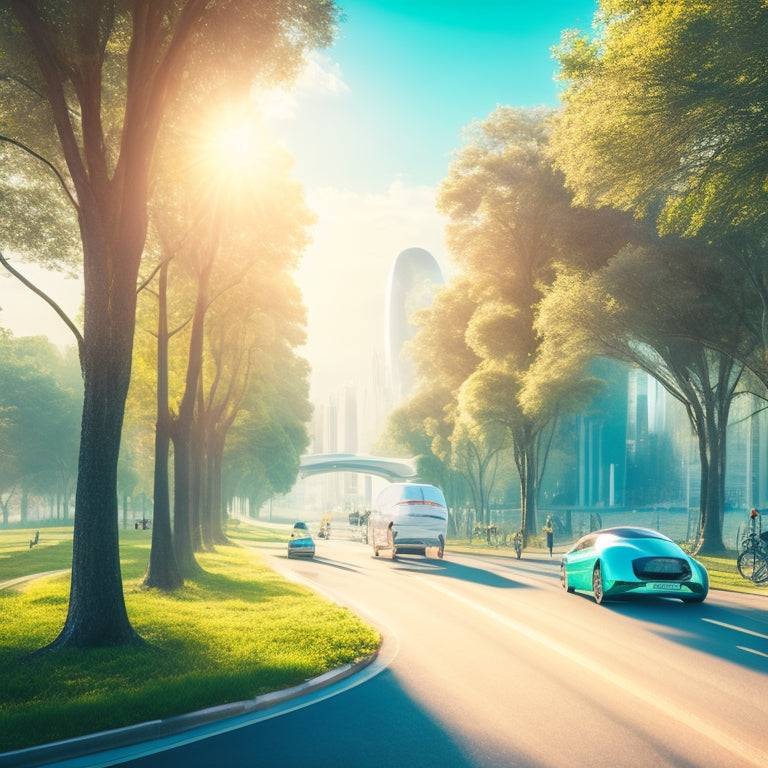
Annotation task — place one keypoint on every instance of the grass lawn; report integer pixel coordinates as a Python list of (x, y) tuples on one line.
[(235, 632)]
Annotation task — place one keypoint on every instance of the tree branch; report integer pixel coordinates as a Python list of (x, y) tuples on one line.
[(46, 162), (56, 308)]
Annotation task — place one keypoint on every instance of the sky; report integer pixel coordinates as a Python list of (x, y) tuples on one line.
[(372, 123)]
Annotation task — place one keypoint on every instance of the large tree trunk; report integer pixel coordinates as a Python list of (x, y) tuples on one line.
[(97, 615), (711, 440)]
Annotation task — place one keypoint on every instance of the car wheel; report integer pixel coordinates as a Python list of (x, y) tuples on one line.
[(441, 548), (697, 599), (597, 584), (564, 579)]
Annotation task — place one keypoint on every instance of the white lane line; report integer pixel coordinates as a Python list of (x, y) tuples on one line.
[(736, 629), (752, 650), (705, 728)]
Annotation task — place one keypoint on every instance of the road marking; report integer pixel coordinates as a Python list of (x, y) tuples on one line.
[(736, 629), (752, 650), (705, 728)]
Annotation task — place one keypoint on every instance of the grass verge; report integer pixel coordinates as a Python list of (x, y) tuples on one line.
[(235, 632)]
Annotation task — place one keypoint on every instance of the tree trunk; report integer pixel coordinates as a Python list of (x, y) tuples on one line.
[(163, 570), (526, 461), (183, 510), (97, 615), (182, 516), (712, 457), (218, 508)]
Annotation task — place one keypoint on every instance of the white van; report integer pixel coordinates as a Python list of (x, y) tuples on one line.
[(409, 518)]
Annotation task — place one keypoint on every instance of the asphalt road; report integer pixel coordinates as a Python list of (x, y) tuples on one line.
[(488, 662)]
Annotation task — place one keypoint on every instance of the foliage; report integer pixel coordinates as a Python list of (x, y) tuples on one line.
[(684, 80), (39, 419), (510, 223), (648, 307)]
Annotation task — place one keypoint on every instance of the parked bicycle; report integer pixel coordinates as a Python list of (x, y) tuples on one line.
[(752, 562)]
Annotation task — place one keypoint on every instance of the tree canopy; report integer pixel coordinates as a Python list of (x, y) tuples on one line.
[(88, 87)]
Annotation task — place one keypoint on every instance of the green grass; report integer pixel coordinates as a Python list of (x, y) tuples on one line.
[(235, 632), (53, 551)]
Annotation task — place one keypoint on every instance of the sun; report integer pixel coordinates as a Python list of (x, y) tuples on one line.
[(238, 147), (231, 156)]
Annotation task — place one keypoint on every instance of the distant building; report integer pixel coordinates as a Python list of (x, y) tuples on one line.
[(411, 285)]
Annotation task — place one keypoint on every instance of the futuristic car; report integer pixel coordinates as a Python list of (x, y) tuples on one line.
[(301, 543), (409, 518), (629, 562)]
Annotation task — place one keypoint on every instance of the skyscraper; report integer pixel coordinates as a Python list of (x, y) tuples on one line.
[(411, 285)]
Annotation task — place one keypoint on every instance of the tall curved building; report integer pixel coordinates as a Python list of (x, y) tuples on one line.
[(412, 282)]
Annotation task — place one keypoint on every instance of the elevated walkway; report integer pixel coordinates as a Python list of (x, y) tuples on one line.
[(394, 470)]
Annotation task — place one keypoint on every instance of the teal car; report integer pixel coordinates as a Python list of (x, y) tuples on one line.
[(627, 561), (301, 543)]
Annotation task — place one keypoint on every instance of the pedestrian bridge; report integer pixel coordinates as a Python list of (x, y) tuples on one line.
[(394, 470)]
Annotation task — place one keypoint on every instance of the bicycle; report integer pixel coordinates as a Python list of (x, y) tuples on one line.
[(752, 562)]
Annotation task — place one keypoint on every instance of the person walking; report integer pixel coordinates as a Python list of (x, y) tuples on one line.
[(550, 534)]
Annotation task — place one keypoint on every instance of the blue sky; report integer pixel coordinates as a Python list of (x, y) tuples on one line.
[(415, 74)]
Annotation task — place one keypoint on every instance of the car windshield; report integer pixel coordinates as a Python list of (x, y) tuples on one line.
[(635, 533)]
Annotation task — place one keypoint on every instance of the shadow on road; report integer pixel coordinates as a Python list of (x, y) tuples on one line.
[(453, 570), (740, 637)]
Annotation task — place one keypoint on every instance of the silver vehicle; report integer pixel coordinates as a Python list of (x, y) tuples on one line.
[(409, 518)]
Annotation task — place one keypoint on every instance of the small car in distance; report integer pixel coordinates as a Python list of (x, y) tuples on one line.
[(627, 561), (301, 543)]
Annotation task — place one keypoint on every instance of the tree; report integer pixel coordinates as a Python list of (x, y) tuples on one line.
[(511, 220), (684, 80), (39, 414), (653, 306), (62, 58)]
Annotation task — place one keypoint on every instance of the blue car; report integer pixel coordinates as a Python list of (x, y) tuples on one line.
[(301, 543), (628, 562)]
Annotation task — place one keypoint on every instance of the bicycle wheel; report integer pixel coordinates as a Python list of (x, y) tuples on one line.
[(752, 566), (760, 576)]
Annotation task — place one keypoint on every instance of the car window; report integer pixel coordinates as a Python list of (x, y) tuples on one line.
[(635, 533), (585, 543)]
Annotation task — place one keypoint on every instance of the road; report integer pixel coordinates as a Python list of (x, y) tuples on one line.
[(487, 661)]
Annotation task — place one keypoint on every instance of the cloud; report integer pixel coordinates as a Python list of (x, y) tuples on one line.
[(320, 77)]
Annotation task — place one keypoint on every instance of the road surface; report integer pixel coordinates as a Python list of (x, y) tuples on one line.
[(487, 661)]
